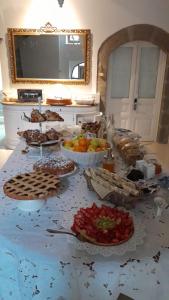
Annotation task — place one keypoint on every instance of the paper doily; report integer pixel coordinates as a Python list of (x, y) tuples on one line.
[(136, 240)]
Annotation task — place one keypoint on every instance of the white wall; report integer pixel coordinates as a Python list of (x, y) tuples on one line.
[(103, 17)]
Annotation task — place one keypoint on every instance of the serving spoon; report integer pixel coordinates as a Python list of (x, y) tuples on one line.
[(78, 236)]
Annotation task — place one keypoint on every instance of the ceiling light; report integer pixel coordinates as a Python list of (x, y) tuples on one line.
[(60, 2)]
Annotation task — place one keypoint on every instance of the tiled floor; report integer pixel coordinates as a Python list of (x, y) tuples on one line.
[(161, 151)]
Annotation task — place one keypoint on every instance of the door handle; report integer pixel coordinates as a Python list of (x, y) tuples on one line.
[(135, 104)]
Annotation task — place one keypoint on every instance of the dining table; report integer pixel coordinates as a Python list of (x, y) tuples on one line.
[(36, 264)]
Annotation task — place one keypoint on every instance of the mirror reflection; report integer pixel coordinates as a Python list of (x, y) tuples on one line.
[(58, 57)]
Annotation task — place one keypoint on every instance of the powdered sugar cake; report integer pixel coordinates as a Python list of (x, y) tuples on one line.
[(29, 186), (55, 165)]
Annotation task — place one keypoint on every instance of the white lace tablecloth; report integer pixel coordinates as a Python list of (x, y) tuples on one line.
[(37, 265)]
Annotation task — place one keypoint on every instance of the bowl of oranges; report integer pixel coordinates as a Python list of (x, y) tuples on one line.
[(85, 151)]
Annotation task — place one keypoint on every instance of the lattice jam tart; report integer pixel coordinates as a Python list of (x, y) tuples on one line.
[(104, 226), (29, 186)]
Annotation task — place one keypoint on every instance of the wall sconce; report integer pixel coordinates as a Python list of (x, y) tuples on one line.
[(60, 2)]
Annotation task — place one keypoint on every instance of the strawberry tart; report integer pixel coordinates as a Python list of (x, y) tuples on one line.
[(103, 226)]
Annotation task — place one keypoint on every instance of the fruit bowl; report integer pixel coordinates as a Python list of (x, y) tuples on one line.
[(84, 158), (93, 155)]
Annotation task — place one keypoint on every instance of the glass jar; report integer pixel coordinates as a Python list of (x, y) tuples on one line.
[(108, 162)]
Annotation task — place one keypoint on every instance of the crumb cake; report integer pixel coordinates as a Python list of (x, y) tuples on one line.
[(55, 165), (52, 134), (103, 226), (35, 136)]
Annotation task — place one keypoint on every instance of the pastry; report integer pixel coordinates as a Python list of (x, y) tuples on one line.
[(91, 127), (128, 147), (103, 226), (29, 186), (52, 116), (30, 134), (35, 136), (22, 133), (55, 165), (52, 134), (122, 142), (36, 116)]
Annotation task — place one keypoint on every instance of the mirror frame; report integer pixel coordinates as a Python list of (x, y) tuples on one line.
[(48, 29)]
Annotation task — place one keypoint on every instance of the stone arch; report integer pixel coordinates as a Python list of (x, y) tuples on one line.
[(140, 32)]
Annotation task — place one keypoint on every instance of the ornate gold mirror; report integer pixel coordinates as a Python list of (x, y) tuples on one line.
[(49, 55)]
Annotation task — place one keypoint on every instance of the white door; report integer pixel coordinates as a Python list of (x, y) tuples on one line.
[(134, 87)]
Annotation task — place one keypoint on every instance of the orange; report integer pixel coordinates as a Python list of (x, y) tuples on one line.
[(82, 148), (82, 142), (102, 148), (76, 148), (68, 143)]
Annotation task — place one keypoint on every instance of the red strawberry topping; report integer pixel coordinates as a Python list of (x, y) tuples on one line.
[(103, 225)]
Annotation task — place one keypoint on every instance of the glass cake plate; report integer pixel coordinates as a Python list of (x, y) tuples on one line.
[(131, 245), (47, 143)]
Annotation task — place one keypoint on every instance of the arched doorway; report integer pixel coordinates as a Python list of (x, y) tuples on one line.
[(141, 32), (134, 87)]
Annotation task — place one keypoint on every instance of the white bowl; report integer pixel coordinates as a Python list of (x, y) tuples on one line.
[(84, 158), (85, 102)]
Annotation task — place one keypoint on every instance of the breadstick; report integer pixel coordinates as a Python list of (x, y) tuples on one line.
[(119, 183), (118, 178), (104, 183)]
